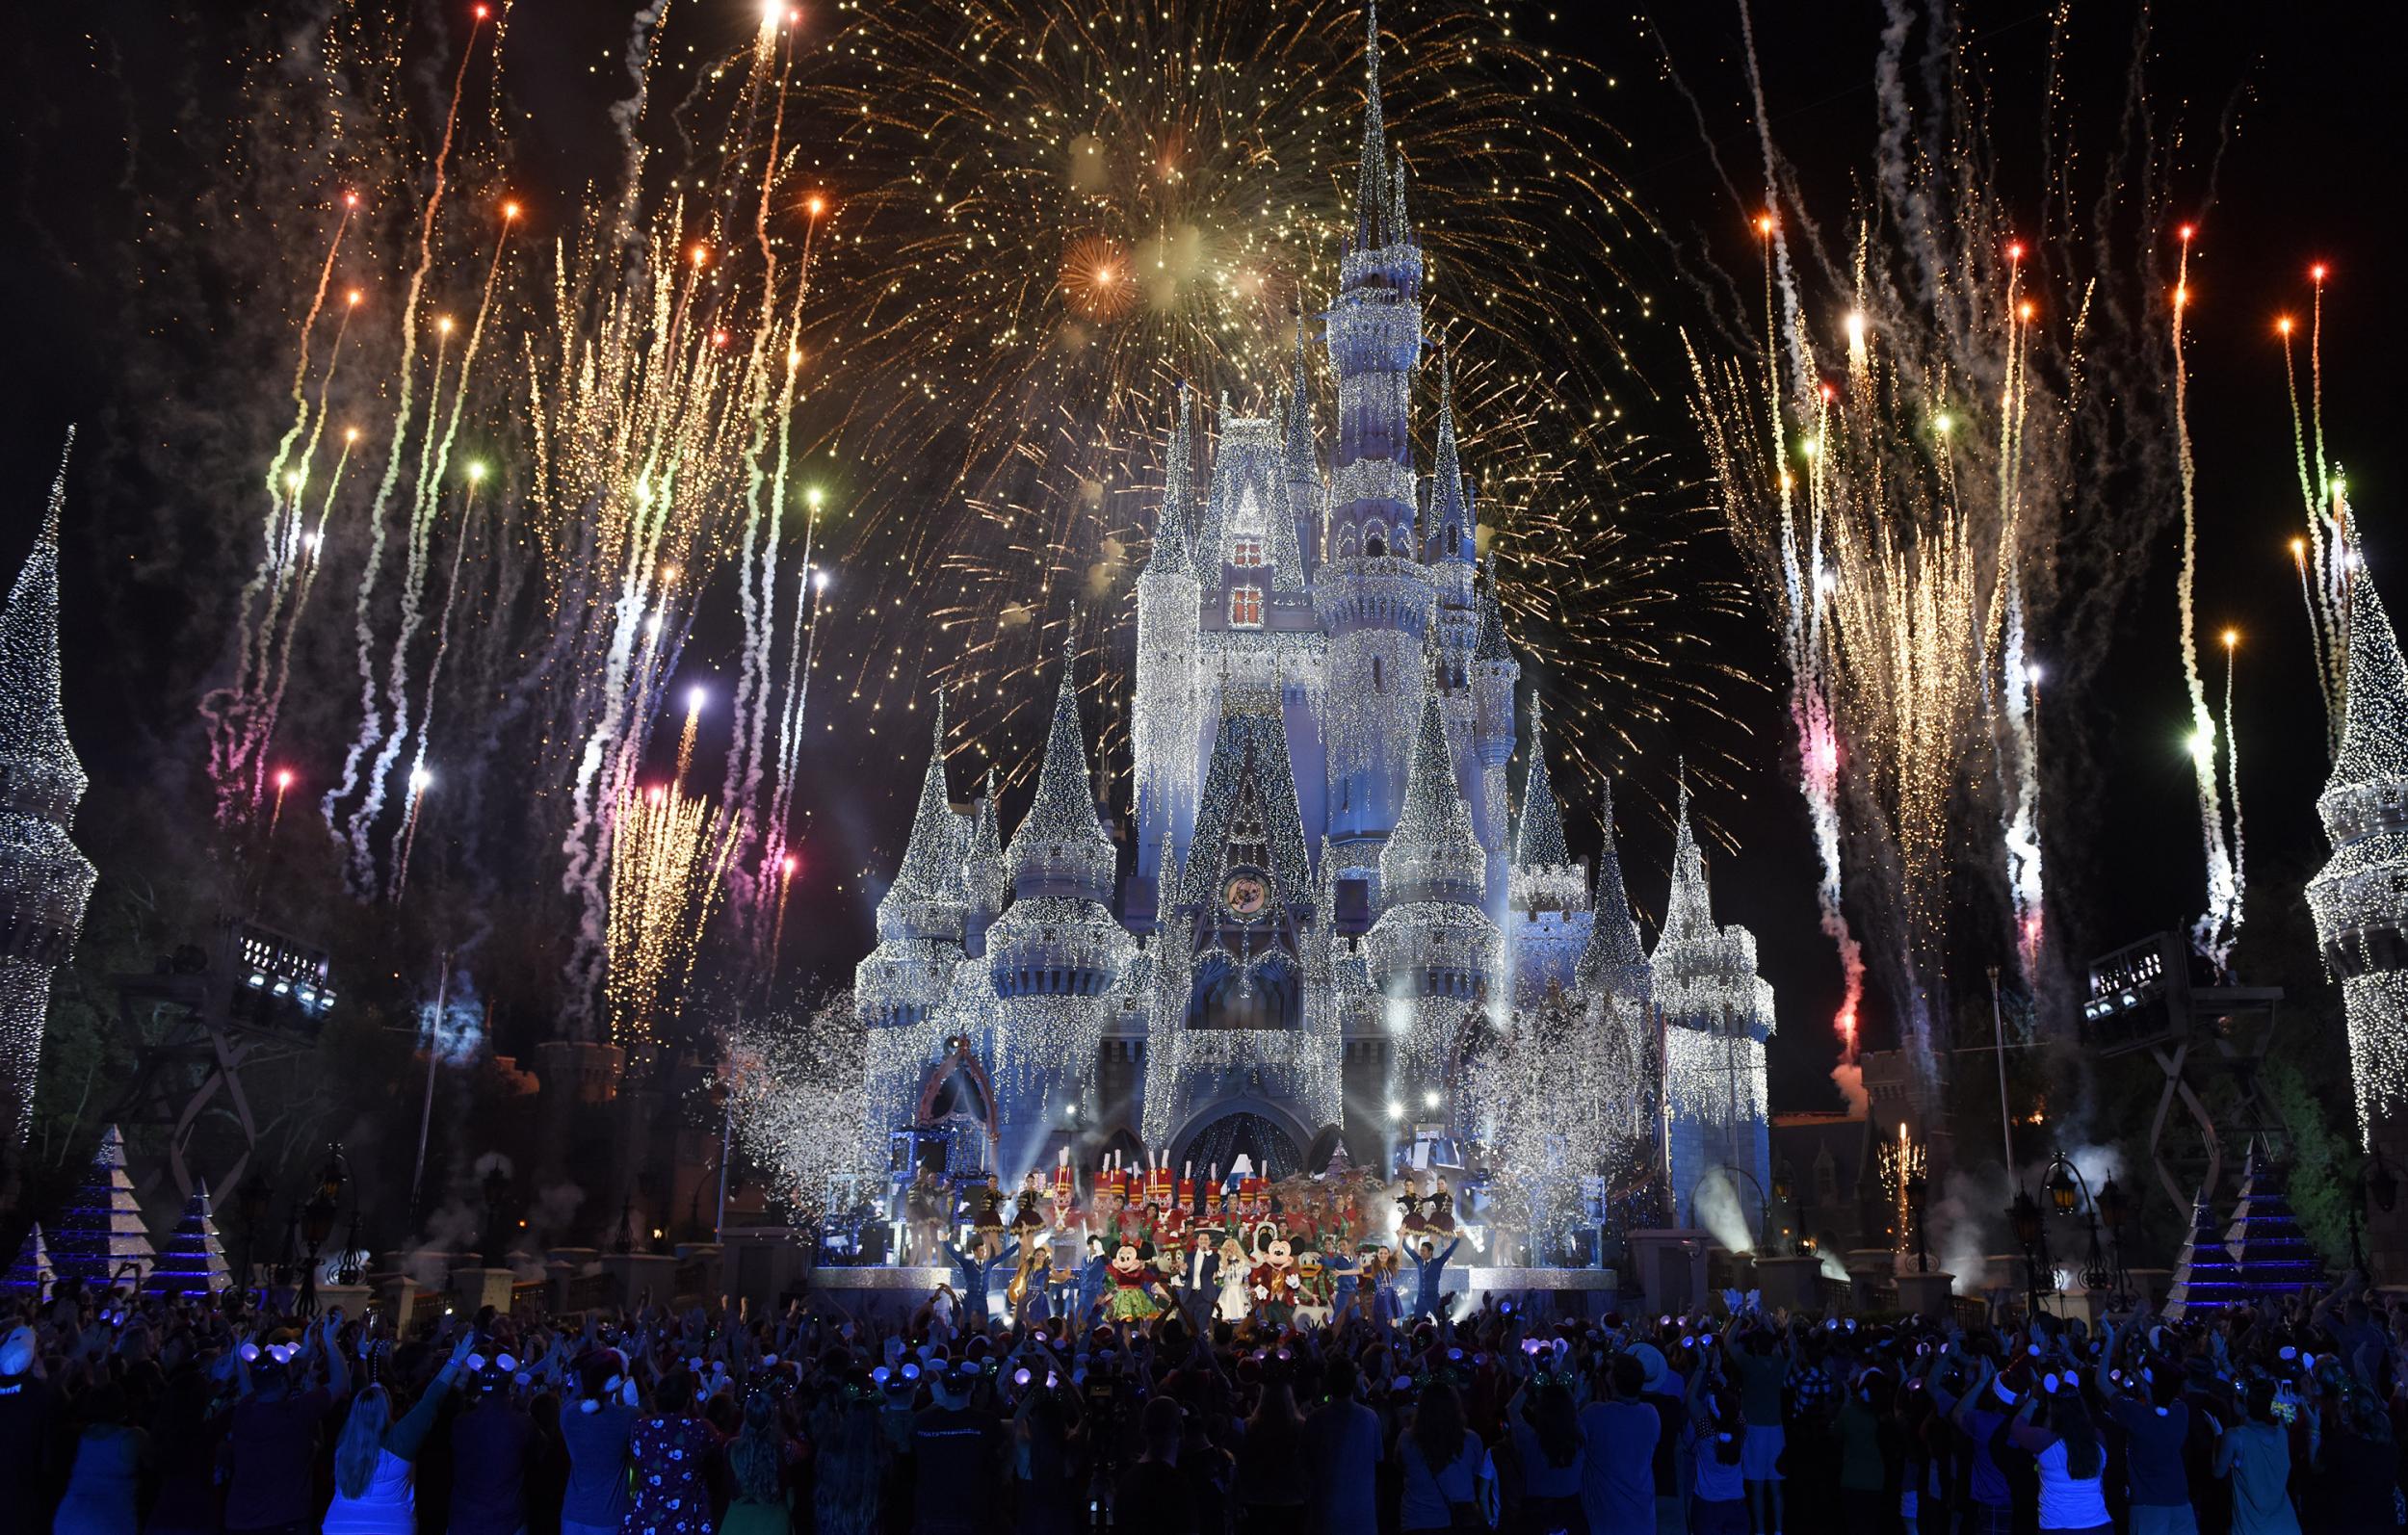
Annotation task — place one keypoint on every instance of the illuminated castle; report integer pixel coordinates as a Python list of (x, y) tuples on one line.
[(1717, 1014), (2360, 897), (44, 880), (1326, 902)]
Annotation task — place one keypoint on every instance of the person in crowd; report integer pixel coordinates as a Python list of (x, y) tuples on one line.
[(376, 1455), (1449, 1479), (675, 1455), (1620, 1432), (1342, 1454), (107, 1483)]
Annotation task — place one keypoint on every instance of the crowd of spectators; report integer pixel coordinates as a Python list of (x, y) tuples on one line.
[(121, 1413)]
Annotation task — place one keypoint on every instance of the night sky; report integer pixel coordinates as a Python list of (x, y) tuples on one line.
[(2283, 139)]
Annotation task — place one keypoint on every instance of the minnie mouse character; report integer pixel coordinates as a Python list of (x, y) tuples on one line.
[(1135, 1285)]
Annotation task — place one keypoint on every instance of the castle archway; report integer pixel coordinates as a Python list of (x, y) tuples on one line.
[(1269, 1137)]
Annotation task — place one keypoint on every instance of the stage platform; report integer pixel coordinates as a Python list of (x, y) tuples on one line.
[(899, 1289)]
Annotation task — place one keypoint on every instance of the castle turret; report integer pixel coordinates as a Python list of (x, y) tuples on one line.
[(920, 918), (44, 879), (1058, 951), (1492, 673), (2360, 897), (1549, 928), (1716, 1013), (1163, 726), (1434, 948), (985, 883), (1372, 599), (1306, 500)]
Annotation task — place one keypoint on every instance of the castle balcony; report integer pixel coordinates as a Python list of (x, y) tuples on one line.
[(1374, 592)]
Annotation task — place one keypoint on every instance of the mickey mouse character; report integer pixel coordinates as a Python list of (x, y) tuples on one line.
[(1277, 1285)]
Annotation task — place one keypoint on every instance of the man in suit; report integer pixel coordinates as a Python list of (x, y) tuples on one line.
[(1199, 1277), (1429, 1300)]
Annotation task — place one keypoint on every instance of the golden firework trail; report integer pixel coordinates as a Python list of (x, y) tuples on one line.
[(668, 859)]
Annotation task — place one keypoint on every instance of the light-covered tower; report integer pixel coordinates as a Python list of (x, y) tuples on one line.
[(2361, 896), (1372, 599), (1492, 672), (985, 881), (44, 879), (1057, 950), (1163, 726), (1616, 992), (1306, 494), (1717, 1014), (901, 984), (1550, 926), (1434, 951)]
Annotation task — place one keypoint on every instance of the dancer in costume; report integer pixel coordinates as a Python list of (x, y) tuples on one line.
[(1429, 1296), (1386, 1306), (1277, 1286), (976, 1268), (1134, 1287)]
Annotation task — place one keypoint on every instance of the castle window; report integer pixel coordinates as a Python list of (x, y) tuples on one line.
[(1376, 683), (1374, 542), (1245, 607), (1245, 552), (1454, 540)]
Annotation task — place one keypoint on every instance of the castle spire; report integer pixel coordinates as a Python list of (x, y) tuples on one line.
[(44, 879), (1433, 853), (925, 900), (33, 720), (1615, 944), (1169, 553), (1059, 848), (1689, 909), (1538, 841), (2374, 730), (1450, 527), (1370, 193), (1491, 646)]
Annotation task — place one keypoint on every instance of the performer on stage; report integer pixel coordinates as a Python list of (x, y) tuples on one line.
[(986, 1211), (1199, 1275), (1134, 1286), (1277, 1286), (1442, 1210), (1409, 1202), (1237, 1295), (1387, 1307), (1343, 1270), (1091, 1280), (1429, 1298), (1027, 1219), (975, 1267)]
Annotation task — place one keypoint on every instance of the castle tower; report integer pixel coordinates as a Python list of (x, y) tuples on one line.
[(1616, 995), (1305, 495), (44, 879), (1057, 953), (1549, 929), (2361, 896), (1434, 951), (986, 882), (1165, 725), (1372, 599), (1716, 1015), (1492, 673), (921, 918)]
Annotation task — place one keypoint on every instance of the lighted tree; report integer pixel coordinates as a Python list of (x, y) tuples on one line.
[(31, 1274), (100, 1234), (194, 1262)]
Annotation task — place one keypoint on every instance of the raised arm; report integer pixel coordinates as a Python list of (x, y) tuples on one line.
[(405, 1438)]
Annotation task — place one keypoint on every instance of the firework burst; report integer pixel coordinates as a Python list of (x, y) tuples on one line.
[(1049, 215)]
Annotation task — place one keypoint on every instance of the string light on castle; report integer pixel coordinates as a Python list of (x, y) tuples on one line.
[(44, 880)]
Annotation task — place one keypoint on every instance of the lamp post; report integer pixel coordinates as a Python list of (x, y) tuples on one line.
[(2032, 1233), (2112, 1209), (317, 1221), (2069, 1191), (624, 1239), (1917, 1190)]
